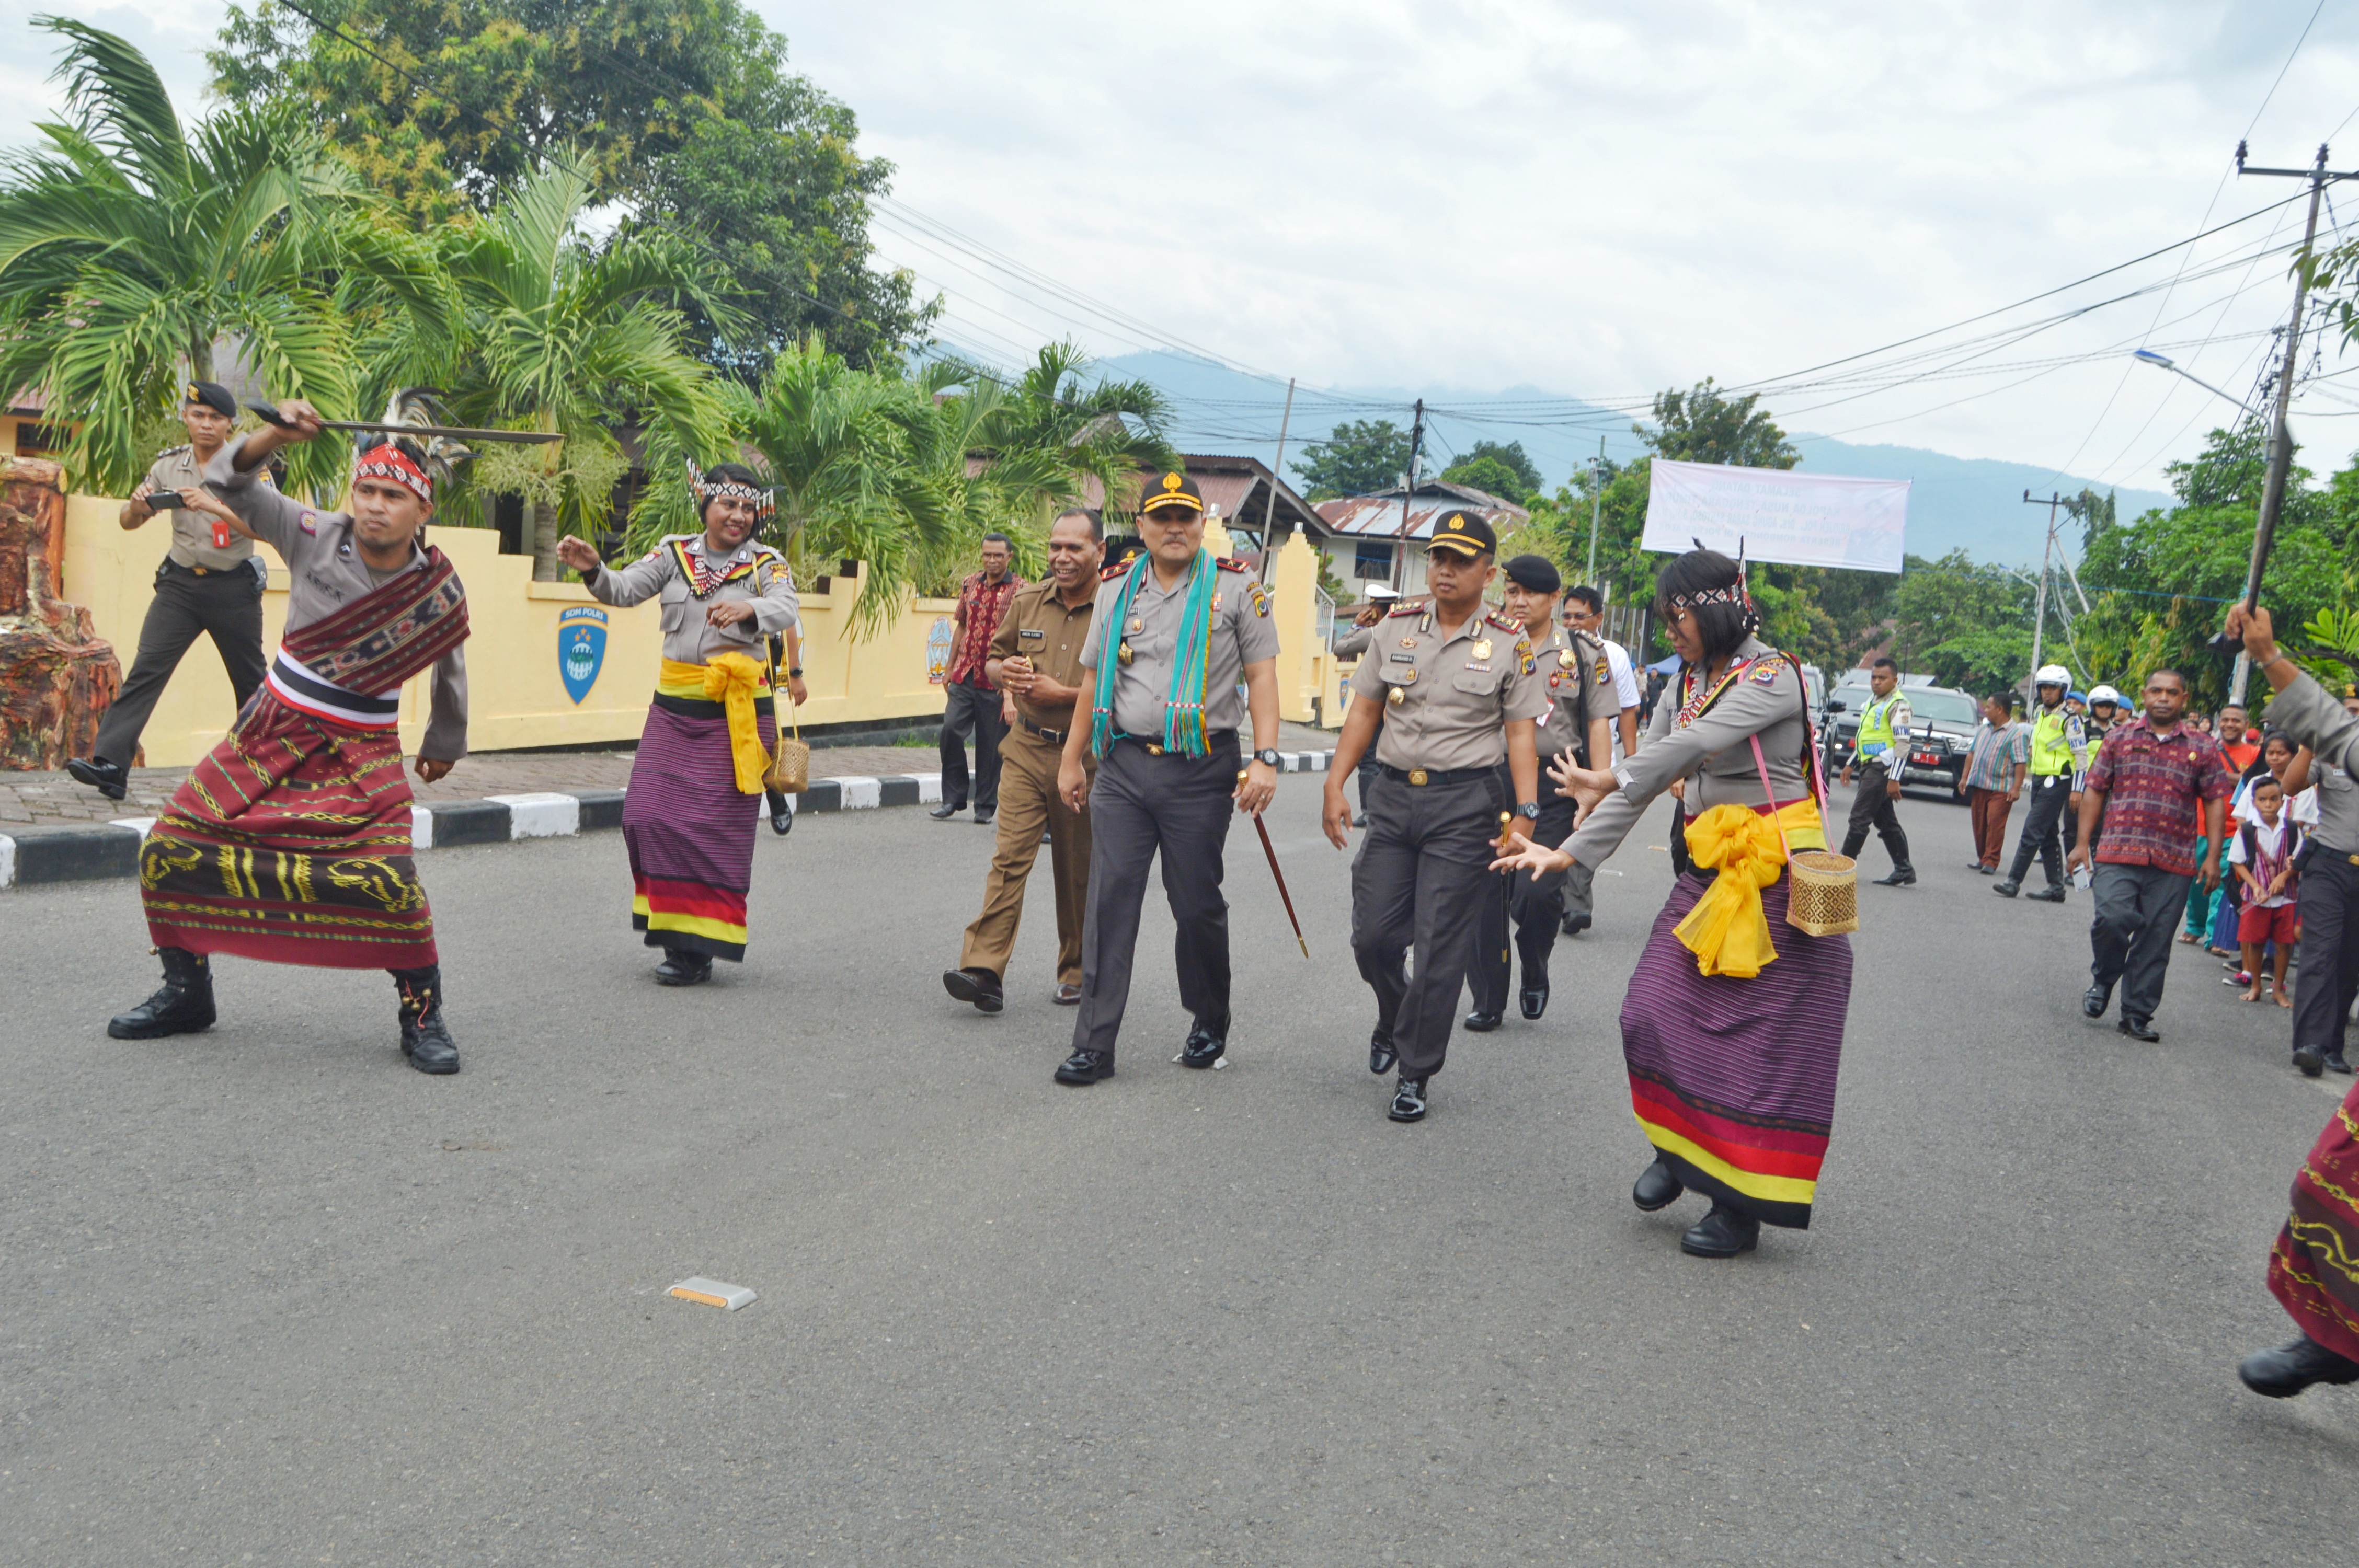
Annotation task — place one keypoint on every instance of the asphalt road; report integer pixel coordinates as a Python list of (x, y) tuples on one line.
[(271, 1297)]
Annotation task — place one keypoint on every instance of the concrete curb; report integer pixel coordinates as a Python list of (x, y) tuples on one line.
[(112, 850)]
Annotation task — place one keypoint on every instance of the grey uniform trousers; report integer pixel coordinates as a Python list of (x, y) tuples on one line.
[(2129, 941), (2329, 977), (1535, 910), (223, 605), (976, 708), (1140, 805), (1422, 879)]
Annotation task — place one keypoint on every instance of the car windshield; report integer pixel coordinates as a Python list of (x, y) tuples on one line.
[(1944, 706)]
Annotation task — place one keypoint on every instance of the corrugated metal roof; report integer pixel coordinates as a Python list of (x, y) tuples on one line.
[(1379, 516)]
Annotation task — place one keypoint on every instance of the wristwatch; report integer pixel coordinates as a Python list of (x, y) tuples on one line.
[(796, 673), (1530, 811), (1268, 754)]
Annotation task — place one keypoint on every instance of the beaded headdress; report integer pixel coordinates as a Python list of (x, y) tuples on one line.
[(765, 503)]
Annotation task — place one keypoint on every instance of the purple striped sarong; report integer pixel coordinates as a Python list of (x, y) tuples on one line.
[(1734, 1080), (688, 832)]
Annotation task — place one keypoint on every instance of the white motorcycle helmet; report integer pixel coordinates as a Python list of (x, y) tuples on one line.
[(2053, 674), (2104, 694)]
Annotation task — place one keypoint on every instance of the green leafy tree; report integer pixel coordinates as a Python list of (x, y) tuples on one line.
[(1964, 624), (130, 247), (1704, 425), (1508, 469), (1361, 456)]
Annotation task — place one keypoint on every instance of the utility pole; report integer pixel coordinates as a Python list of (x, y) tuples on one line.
[(2280, 433), (1408, 490), (1269, 512), (2039, 614), (1596, 507)]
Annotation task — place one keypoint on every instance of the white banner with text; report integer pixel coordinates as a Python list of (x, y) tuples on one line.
[(1794, 519)]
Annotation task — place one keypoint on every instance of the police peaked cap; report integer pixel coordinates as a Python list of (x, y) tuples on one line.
[(1174, 489)]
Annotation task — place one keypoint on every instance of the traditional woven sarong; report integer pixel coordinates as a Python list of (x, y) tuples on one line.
[(1734, 1079), (688, 827), (2314, 1268), (289, 842)]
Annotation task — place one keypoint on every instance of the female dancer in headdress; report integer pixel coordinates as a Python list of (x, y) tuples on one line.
[(1732, 1026), (689, 816)]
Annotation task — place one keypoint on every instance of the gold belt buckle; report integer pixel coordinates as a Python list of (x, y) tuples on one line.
[(1154, 751), (1417, 775)]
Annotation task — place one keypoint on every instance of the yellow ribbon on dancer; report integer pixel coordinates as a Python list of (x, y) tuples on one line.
[(733, 680), (1727, 930)]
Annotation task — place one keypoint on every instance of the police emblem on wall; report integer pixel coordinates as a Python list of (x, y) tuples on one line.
[(938, 651), (580, 648)]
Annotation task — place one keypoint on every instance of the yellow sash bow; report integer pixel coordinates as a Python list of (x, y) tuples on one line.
[(733, 680), (1727, 930)]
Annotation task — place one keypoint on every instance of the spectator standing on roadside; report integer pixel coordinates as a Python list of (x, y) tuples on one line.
[(1585, 612), (2153, 779), (1993, 779), (2262, 854), (973, 703)]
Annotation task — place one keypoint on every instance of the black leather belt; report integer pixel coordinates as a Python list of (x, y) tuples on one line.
[(1422, 777), (1054, 737), (171, 564), (1213, 742)]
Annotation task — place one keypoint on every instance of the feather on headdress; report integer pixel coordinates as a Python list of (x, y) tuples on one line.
[(385, 453)]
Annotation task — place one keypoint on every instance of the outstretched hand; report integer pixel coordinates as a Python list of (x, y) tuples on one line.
[(577, 554), (1584, 787), (1538, 859)]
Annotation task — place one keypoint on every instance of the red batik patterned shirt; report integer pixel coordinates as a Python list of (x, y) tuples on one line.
[(984, 603), (2153, 784)]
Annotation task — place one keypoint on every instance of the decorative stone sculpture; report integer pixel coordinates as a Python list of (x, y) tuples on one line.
[(56, 676)]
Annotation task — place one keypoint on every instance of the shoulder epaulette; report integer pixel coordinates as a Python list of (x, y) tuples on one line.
[(174, 452), (1495, 619), (1112, 572), (1399, 611), (1231, 564)]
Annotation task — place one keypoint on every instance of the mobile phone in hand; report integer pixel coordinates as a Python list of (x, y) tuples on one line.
[(164, 501)]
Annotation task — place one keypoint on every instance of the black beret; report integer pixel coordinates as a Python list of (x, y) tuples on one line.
[(1534, 573), (213, 395)]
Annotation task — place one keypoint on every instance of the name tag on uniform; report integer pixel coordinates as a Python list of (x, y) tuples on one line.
[(1025, 634), (1401, 658)]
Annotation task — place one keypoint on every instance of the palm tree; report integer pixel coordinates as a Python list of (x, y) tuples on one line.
[(560, 335), (129, 248), (1110, 430)]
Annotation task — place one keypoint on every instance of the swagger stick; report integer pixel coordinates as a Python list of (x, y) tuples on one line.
[(268, 414), (1271, 850)]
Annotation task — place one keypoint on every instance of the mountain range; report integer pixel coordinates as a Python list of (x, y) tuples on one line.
[(1970, 504)]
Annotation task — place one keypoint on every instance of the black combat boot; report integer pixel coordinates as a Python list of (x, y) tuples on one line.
[(683, 968), (425, 1040), (183, 1005)]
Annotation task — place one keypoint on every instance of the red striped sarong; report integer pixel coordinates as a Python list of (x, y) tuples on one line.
[(1734, 1080), (2314, 1267), (289, 842)]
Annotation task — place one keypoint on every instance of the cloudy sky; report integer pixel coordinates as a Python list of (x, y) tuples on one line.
[(1593, 200)]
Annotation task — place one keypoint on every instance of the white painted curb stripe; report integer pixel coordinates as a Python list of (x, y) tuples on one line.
[(930, 788), (421, 828), (139, 825), (862, 794), (7, 862), (543, 816)]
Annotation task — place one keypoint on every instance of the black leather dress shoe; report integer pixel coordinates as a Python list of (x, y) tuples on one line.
[(2095, 1000), (947, 810), (2052, 893), (2335, 1063), (683, 968), (1574, 924), (1204, 1049), (112, 780), (1381, 1055), (978, 986), (1408, 1100), (1656, 1188), (2308, 1059), (2139, 1028), (1901, 877), (183, 1004), (1085, 1067), (1484, 1022), (983, 814), (1534, 999), (2007, 889), (2286, 1371), (1722, 1233), (1066, 996), (427, 1044), (782, 815)]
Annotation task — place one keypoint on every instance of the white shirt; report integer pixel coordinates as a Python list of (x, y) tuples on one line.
[(2269, 840), (2302, 808)]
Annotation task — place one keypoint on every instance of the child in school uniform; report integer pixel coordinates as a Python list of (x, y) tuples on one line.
[(2262, 853)]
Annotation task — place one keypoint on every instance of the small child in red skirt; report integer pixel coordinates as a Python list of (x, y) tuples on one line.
[(2262, 853)]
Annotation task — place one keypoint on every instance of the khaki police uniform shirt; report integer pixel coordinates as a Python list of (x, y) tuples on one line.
[(1714, 753), (1040, 626), (1571, 665), (1457, 692), (1243, 634), (192, 532), (763, 580), (2312, 716), (325, 572)]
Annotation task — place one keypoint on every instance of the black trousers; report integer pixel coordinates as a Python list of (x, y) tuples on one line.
[(2329, 977), (971, 709), (1535, 910), (1872, 808), (2050, 795), (226, 606), (1423, 878), (1141, 805), (2138, 907)]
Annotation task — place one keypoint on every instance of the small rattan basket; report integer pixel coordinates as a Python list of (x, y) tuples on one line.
[(790, 763), (1822, 897)]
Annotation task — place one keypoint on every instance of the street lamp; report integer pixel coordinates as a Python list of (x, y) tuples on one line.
[(2150, 357)]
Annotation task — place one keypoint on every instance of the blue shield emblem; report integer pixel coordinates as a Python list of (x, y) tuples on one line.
[(580, 648)]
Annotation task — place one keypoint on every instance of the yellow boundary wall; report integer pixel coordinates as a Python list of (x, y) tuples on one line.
[(517, 697)]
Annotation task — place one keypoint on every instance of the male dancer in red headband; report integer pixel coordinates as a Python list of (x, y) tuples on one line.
[(290, 842)]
